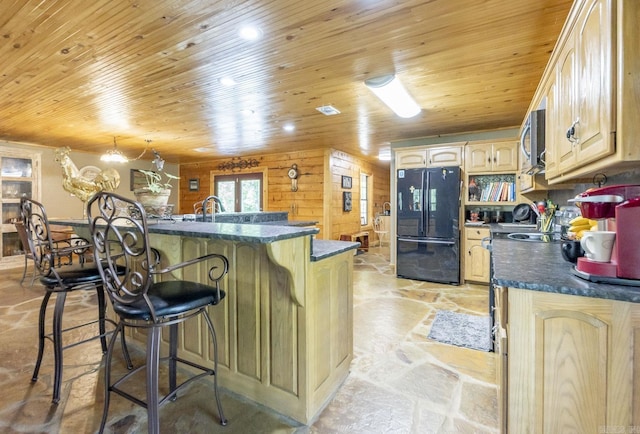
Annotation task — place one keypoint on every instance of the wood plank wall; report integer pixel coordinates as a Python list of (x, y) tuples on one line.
[(320, 178), (341, 163)]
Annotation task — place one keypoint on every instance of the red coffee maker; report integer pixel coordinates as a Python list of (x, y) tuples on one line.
[(617, 208)]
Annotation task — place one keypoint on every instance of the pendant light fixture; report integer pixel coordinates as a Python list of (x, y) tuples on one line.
[(115, 156), (391, 91)]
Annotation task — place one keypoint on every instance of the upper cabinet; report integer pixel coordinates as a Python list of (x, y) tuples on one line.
[(406, 159), (583, 128), (19, 177), (442, 156), (449, 154), (497, 157), (590, 90)]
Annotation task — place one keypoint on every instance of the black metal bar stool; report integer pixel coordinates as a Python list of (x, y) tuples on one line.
[(142, 302), (60, 278)]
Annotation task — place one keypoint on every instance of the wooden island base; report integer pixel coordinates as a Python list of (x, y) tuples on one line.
[(285, 329)]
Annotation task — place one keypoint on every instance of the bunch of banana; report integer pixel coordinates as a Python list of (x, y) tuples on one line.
[(581, 224)]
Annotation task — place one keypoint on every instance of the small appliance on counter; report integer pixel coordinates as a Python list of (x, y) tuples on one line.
[(617, 210)]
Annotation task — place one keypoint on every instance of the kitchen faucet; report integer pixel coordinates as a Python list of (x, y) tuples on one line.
[(217, 207)]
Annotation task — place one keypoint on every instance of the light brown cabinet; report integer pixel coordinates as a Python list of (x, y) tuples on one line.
[(497, 157), (449, 154), (585, 126), (476, 258), (572, 362), (590, 91), (407, 159), (19, 176)]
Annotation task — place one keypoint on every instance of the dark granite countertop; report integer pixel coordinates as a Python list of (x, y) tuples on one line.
[(246, 217), (541, 267), (252, 233), (512, 227), (298, 223), (325, 248)]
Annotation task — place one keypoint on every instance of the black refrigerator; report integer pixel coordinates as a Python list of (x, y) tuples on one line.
[(428, 244)]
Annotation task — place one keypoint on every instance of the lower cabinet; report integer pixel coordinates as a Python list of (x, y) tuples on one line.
[(572, 363), (476, 258)]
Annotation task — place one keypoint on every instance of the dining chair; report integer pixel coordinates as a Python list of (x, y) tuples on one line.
[(379, 229), (150, 298), (60, 278)]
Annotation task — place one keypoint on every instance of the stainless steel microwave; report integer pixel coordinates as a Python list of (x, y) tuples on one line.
[(532, 143)]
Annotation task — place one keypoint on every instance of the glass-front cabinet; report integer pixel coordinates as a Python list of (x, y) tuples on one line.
[(19, 177)]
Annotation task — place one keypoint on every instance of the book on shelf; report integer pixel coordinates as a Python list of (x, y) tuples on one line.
[(499, 191)]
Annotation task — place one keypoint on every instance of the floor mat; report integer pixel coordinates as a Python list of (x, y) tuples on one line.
[(461, 329)]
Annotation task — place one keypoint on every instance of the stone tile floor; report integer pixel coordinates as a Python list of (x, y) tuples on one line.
[(400, 381)]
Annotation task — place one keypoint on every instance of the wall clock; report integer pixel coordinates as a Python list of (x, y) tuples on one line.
[(293, 175)]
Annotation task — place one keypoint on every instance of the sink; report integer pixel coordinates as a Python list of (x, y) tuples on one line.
[(535, 237)]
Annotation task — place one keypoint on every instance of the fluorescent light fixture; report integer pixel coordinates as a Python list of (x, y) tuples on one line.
[(391, 91)]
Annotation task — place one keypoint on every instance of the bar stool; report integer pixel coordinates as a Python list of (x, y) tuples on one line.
[(142, 302), (60, 278), (28, 254)]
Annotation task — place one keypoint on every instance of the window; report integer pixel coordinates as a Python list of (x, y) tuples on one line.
[(240, 193), (364, 199)]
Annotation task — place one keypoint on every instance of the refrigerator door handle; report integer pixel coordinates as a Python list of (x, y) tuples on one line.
[(425, 201), (413, 240)]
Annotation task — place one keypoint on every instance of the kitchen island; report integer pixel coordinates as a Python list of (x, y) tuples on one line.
[(285, 329), (569, 348)]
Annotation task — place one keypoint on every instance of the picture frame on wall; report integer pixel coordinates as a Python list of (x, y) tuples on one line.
[(194, 184), (346, 182), (346, 201), (137, 179)]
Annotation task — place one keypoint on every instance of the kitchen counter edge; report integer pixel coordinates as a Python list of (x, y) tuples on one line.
[(541, 267), (251, 233)]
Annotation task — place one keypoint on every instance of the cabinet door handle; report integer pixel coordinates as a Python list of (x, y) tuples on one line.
[(571, 132)]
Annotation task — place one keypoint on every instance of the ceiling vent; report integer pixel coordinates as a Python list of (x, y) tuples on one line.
[(328, 110)]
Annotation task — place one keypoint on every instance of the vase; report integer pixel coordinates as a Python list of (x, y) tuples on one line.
[(150, 199)]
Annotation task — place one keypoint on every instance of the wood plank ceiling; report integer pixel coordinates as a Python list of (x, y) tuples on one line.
[(79, 73)]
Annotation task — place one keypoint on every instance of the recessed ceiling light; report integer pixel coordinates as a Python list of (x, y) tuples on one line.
[(250, 33), (227, 81), (288, 127), (328, 110)]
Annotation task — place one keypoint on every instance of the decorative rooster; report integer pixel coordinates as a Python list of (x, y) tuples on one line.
[(87, 181)]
